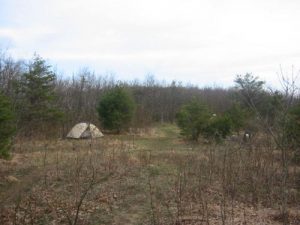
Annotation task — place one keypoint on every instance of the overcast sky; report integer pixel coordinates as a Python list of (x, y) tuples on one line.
[(203, 42)]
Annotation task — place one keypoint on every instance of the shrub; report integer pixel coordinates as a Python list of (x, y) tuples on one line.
[(7, 126), (293, 130), (116, 109), (237, 116), (192, 119), (218, 128)]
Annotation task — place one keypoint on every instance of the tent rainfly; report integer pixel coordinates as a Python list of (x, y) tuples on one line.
[(84, 130)]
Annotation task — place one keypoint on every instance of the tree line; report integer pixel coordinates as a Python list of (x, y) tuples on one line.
[(45, 104), (77, 96)]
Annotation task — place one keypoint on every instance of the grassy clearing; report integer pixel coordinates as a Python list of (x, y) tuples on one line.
[(153, 178)]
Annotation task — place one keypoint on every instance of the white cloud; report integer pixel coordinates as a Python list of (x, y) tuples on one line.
[(202, 41)]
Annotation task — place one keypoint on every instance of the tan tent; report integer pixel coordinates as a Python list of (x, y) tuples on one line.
[(84, 130)]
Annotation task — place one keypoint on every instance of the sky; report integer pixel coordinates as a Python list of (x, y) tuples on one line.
[(202, 42)]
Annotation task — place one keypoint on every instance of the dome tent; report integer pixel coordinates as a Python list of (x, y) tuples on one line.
[(84, 130)]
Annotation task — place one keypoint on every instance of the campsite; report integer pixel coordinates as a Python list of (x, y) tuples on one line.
[(204, 159), (138, 112)]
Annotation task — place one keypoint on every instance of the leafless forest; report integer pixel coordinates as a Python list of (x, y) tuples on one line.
[(79, 94)]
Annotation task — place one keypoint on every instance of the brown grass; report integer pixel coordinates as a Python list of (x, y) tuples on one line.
[(151, 178)]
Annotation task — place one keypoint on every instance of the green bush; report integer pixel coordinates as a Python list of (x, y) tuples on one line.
[(293, 126), (218, 128), (238, 117), (7, 126), (195, 119), (192, 119), (116, 109)]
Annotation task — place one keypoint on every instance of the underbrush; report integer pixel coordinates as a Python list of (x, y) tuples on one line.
[(154, 178)]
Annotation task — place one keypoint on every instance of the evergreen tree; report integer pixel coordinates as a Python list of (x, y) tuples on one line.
[(293, 126), (38, 96), (192, 119), (7, 126), (195, 119), (251, 91), (238, 117), (218, 128), (116, 109), (249, 85)]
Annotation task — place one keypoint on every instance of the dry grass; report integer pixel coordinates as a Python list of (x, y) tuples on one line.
[(151, 178)]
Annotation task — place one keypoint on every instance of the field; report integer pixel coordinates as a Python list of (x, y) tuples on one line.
[(153, 177)]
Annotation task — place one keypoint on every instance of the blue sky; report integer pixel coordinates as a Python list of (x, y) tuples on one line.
[(203, 42)]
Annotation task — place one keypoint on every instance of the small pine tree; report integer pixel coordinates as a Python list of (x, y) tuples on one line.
[(192, 119), (218, 128), (116, 109), (38, 96), (7, 126), (237, 116), (293, 133), (250, 89), (293, 127)]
